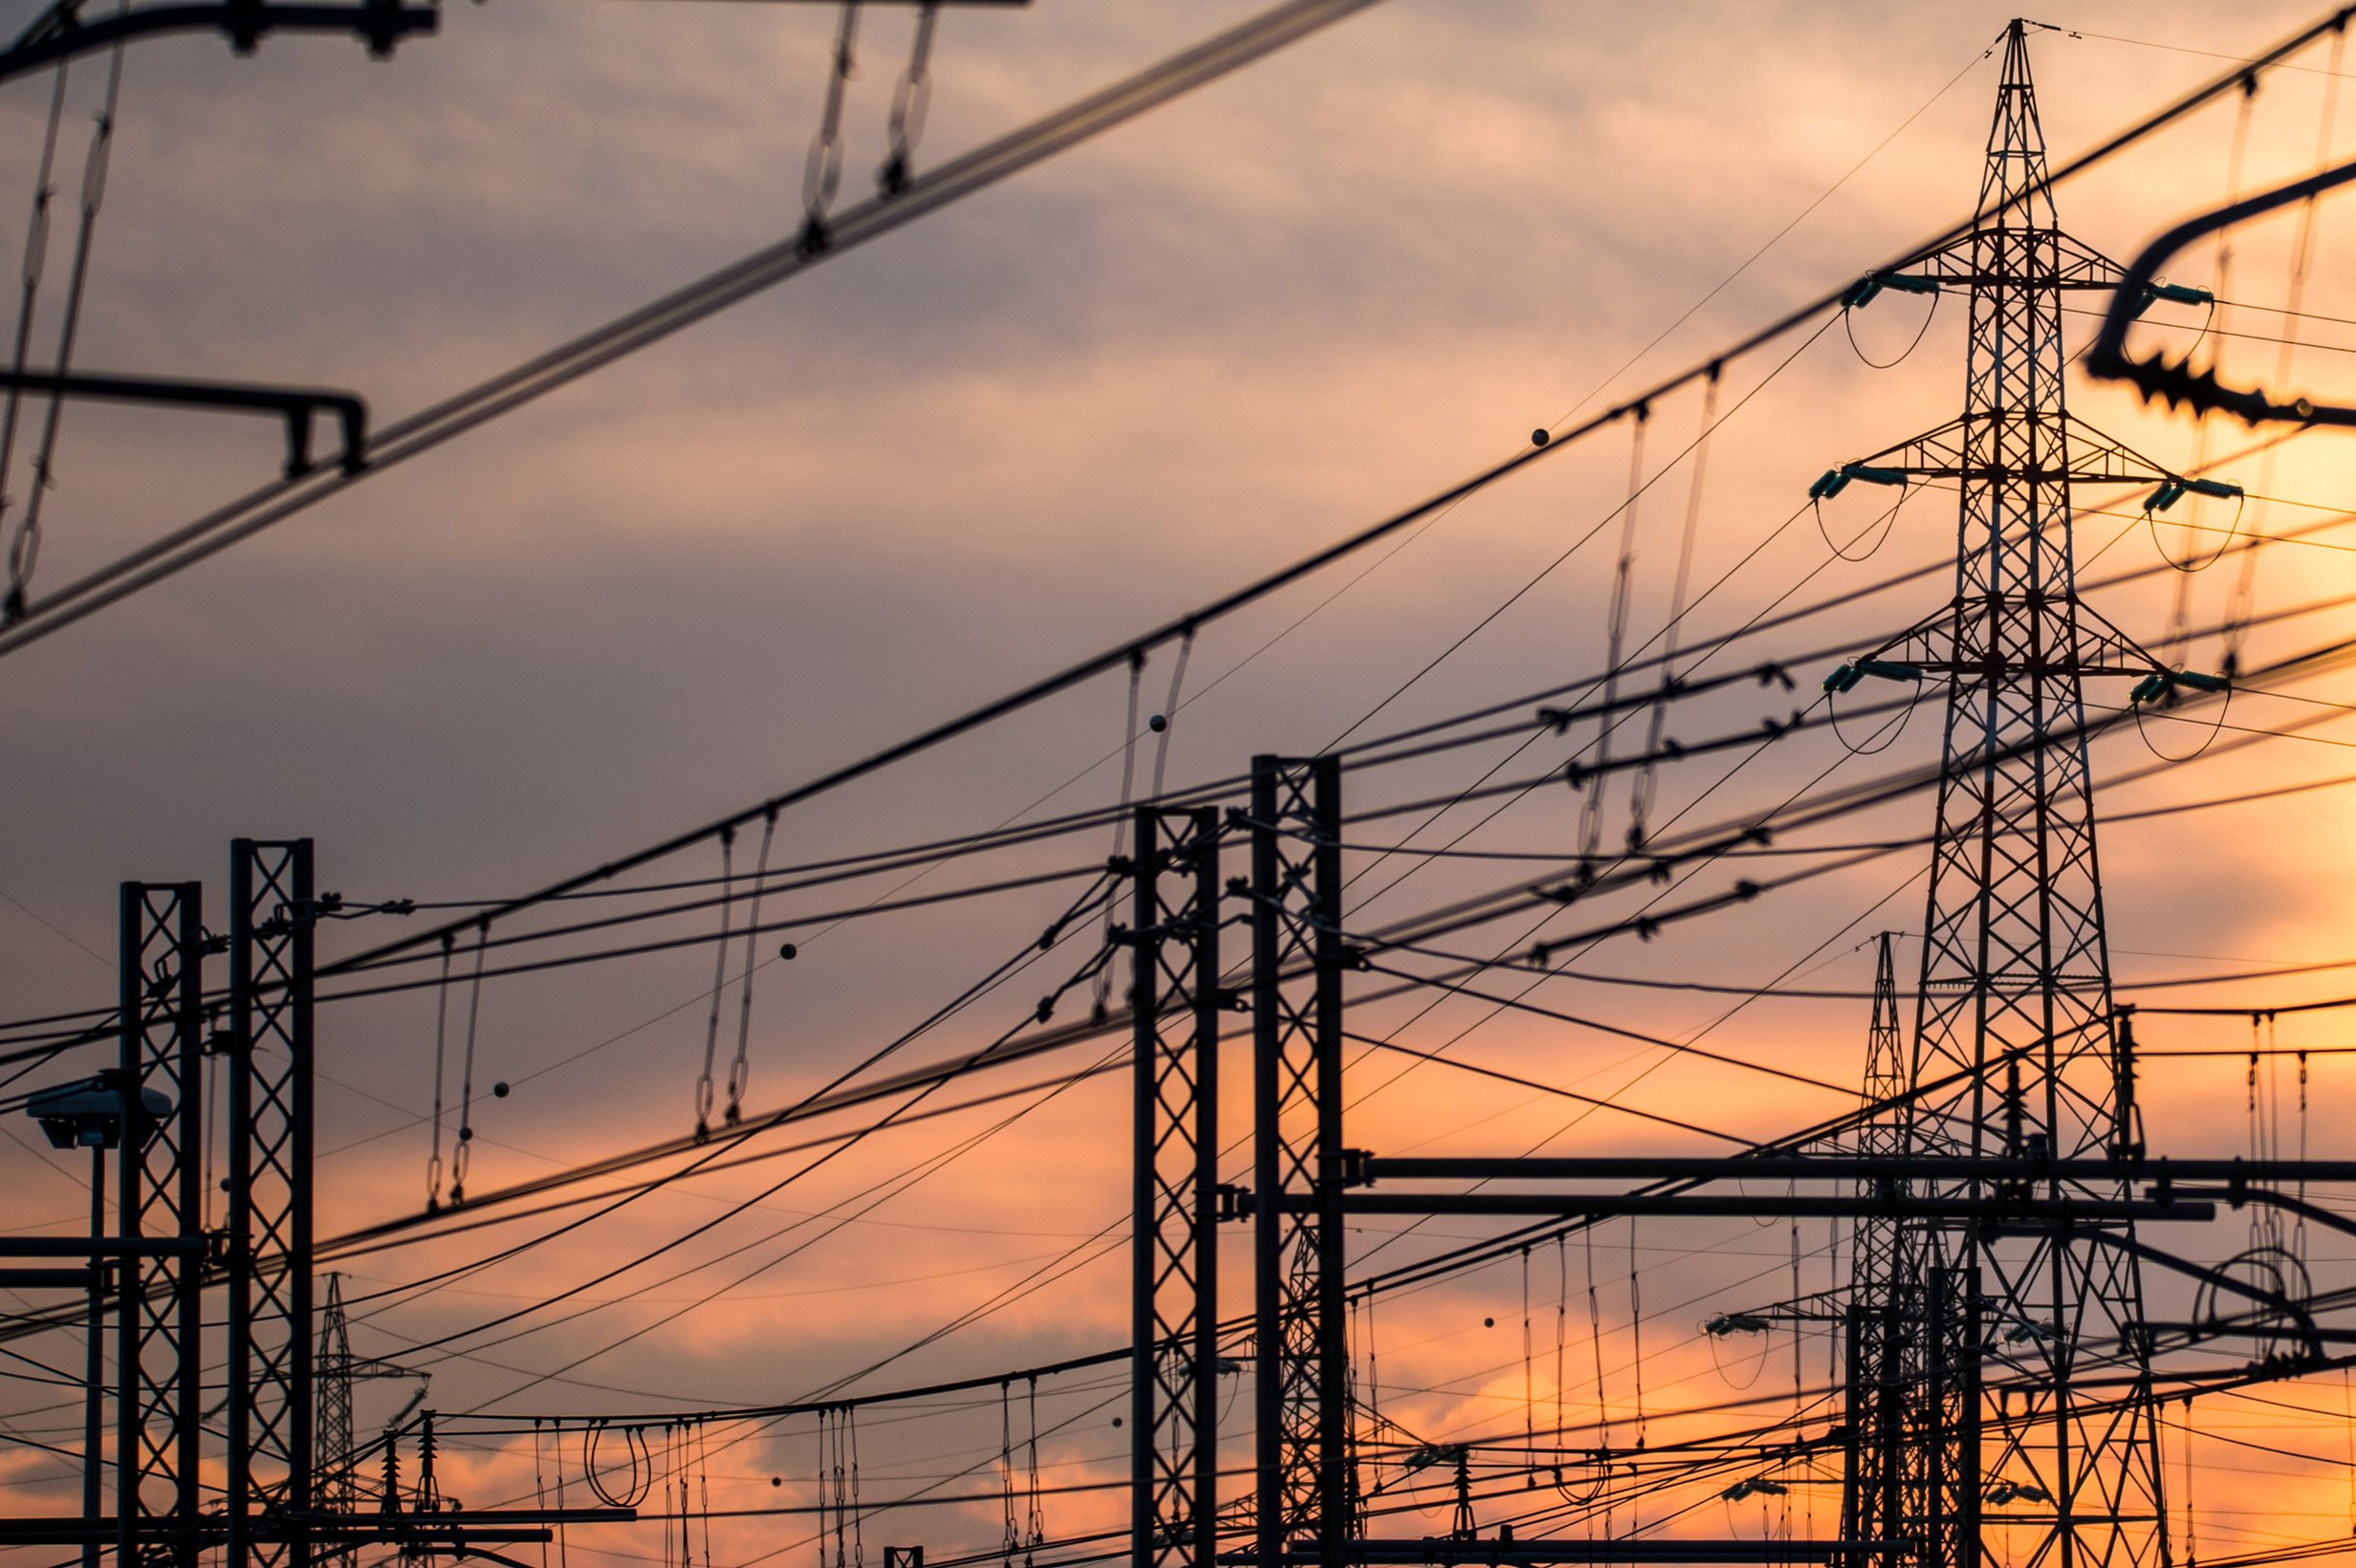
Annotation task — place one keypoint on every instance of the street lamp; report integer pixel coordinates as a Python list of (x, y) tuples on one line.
[(90, 1115)]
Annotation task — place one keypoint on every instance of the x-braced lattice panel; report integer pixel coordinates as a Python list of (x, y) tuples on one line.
[(271, 917), (158, 1349), (1298, 1258), (1174, 1005)]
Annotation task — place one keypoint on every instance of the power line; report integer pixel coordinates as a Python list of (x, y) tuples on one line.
[(465, 410), (1189, 623)]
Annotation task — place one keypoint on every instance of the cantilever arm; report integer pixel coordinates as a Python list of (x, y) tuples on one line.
[(294, 404), (61, 34), (2177, 382)]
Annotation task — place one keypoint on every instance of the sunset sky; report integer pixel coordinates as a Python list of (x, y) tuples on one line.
[(1019, 431)]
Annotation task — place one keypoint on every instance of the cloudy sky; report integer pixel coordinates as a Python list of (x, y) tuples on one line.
[(1013, 433)]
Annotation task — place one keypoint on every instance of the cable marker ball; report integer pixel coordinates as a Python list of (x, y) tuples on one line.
[(1157, 724), (1540, 438), (788, 951), (1489, 1322), (498, 1090)]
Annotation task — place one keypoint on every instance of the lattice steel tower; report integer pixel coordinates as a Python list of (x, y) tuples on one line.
[(336, 1488), (1885, 1308), (2014, 1052)]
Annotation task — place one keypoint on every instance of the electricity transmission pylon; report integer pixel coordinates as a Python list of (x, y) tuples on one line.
[(1885, 1304), (2014, 1051)]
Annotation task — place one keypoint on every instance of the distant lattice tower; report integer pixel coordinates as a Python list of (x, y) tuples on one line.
[(338, 1487), (1885, 1307)]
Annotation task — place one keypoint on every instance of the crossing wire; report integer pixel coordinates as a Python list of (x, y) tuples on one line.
[(465, 411), (436, 424)]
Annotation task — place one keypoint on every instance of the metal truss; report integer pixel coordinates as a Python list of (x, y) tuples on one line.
[(1884, 1312), (335, 1485), (2079, 453), (159, 1324), (1175, 1002), (2015, 1002), (1941, 1491), (1299, 1323), (269, 1344)]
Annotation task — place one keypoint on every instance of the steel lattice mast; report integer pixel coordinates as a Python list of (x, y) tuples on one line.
[(159, 1319), (1174, 1290), (335, 1487), (1884, 1306), (2014, 1051)]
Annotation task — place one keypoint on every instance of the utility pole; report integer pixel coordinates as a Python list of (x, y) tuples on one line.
[(150, 1112), (1299, 1311), (1174, 1346), (272, 916), (94, 1350), (158, 1358)]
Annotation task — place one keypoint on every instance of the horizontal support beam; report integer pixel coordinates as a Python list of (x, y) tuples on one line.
[(49, 1279), (1848, 1167), (1359, 1201), (456, 1540), (2027, 477), (519, 1527), (60, 1531), (2251, 1325), (344, 1524), (102, 1247), (1449, 1550)]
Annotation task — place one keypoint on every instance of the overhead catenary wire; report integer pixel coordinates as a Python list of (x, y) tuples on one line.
[(25, 544), (724, 907), (463, 411), (2302, 260), (1131, 99), (919, 854), (1716, 902), (36, 254)]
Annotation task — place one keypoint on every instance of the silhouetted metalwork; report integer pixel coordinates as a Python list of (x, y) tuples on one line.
[(2014, 1012), (1298, 1315), (269, 1338), (160, 1323), (296, 404), (60, 34), (336, 1487), (1174, 1323), (1884, 1314)]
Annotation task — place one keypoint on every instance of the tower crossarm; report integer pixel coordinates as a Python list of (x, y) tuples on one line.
[(2071, 263), (1946, 452), (1930, 649)]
